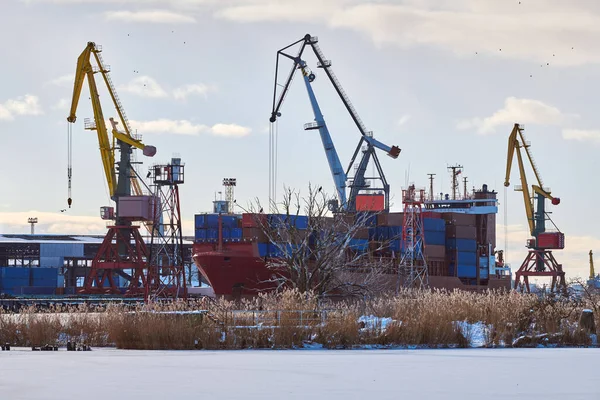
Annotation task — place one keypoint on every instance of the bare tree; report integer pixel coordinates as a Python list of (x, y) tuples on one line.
[(313, 250)]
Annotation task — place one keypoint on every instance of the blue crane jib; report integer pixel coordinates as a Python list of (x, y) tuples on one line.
[(341, 178)]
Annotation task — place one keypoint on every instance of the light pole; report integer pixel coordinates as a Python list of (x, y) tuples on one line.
[(32, 221)]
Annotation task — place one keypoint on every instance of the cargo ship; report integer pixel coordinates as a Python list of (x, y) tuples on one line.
[(231, 251)]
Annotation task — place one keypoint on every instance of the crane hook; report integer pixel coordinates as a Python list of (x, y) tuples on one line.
[(69, 201)]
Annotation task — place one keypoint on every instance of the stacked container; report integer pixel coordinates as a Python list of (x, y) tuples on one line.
[(435, 239), (461, 244), (207, 228)]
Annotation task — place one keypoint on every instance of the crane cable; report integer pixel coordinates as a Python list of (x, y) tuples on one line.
[(69, 160)]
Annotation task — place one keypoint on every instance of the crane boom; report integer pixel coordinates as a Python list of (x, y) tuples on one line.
[(358, 182), (516, 142), (123, 140), (335, 166)]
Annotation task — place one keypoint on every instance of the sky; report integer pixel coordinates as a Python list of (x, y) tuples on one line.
[(445, 80)]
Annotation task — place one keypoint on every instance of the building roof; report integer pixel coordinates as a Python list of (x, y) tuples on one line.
[(56, 239)]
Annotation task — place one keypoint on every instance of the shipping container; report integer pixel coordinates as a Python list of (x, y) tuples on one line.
[(200, 234), (263, 249), (365, 219), (461, 232), (467, 271), (467, 258), (431, 215), (395, 245), (370, 202), (484, 273), (460, 219), (434, 251), (551, 240), (253, 220), (236, 233), (359, 244), (212, 234), (390, 219), (434, 225), (436, 238), (254, 234), (395, 232), (461, 244), (14, 273)]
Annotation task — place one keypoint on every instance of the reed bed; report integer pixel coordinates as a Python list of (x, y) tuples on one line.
[(293, 320)]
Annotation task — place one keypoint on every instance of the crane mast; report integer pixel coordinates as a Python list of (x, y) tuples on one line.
[(359, 182)]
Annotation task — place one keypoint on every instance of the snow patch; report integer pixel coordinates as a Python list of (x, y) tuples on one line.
[(372, 322), (476, 333)]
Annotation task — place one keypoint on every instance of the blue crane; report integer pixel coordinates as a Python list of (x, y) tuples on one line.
[(335, 166), (359, 182)]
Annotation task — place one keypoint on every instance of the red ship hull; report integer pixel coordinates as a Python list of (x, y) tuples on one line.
[(237, 271)]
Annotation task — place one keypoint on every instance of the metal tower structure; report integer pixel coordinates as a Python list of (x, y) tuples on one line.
[(431, 186), (229, 184), (413, 265), (359, 182), (539, 260), (456, 170), (32, 221), (166, 270)]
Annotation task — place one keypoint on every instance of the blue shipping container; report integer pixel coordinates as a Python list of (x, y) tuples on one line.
[(435, 238), (484, 273), (15, 273), (44, 273), (395, 245), (484, 262), (467, 258), (212, 234), (434, 224), (229, 221), (462, 244), (467, 271), (395, 232), (359, 244), (236, 233), (200, 234), (200, 221), (263, 249)]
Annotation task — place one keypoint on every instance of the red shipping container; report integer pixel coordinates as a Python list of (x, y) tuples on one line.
[(551, 240), (252, 220), (461, 232), (390, 219), (370, 202), (460, 219), (431, 214)]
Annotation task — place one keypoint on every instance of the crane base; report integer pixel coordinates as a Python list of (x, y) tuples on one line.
[(531, 267), (110, 259)]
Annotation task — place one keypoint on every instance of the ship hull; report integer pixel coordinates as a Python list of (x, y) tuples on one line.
[(237, 271)]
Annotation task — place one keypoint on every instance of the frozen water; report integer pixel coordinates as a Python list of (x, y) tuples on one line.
[(549, 374)]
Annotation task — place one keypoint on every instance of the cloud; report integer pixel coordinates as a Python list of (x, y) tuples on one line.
[(581, 135), (151, 16), (181, 93), (185, 127), (230, 130), (169, 126), (144, 86), (24, 105), (63, 104), (64, 80), (403, 120), (16, 222), (516, 110)]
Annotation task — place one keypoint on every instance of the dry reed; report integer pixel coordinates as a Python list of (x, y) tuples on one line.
[(291, 319)]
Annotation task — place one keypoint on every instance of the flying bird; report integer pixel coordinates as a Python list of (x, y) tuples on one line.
[(63, 210), (261, 210), (320, 187)]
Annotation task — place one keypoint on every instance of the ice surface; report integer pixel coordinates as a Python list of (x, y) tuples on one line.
[(461, 374)]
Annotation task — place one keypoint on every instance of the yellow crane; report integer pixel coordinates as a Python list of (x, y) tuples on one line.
[(539, 261), (120, 140), (516, 142)]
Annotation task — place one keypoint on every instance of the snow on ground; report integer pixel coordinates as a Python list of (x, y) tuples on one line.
[(464, 374)]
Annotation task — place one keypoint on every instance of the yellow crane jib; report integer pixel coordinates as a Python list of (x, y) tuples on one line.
[(106, 145), (516, 142)]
